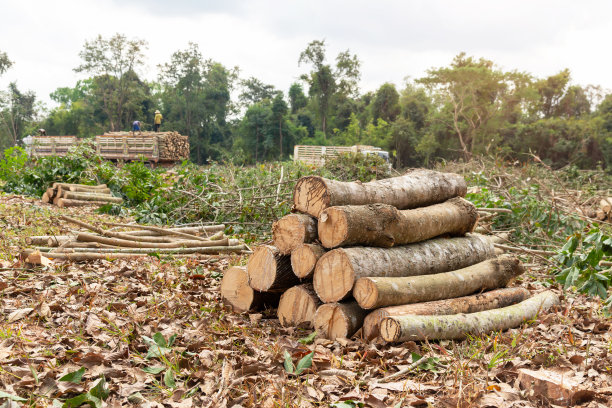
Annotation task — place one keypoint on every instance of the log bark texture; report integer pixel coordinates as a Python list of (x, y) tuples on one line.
[(337, 270), (383, 225), (494, 299), (270, 271), (86, 237), (450, 327), (66, 202), (417, 188), (92, 197), (292, 231), (338, 320), (298, 305), (241, 297), (373, 292), (304, 259)]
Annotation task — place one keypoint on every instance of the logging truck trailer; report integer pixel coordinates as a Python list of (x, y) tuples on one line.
[(125, 148), (316, 154)]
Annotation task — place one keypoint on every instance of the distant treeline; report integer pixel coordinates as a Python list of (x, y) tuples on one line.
[(469, 107)]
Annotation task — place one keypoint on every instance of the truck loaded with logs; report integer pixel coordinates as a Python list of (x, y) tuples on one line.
[(396, 258)]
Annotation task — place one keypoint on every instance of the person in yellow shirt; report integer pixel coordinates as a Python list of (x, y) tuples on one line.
[(157, 121)]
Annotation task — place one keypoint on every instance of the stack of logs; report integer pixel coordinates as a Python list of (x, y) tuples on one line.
[(145, 240), (605, 209), (78, 195), (395, 256), (173, 146)]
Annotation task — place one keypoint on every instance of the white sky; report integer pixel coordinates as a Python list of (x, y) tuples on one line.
[(393, 38)]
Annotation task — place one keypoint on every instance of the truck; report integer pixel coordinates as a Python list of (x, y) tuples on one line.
[(159, 148), (316, 155)]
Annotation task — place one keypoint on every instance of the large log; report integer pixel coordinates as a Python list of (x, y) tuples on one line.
[(337, 270), (417, 188), (45, 198), (298, 305), (373, 292), (66, 202), (270, 271), (383, 225), (467, 304), (92, 197), (304, 259), (236, 291), (292, 231), (459, 326), (338, 320)]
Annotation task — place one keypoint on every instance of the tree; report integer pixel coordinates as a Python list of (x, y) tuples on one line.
[(297, 99), (386, 103), (253, 91), (5, 62), (324, 82), (113, 62), (279, 110), (17, 112)]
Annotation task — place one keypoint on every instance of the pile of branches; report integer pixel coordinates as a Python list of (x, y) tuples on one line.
[(140, 240), (395, 257), (79, 195)]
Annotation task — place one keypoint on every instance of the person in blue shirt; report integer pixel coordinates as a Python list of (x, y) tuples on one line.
[(136, 127)]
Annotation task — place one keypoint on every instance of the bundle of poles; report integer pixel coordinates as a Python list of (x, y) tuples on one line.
[(396, 258), (79, 195), (137, 241)]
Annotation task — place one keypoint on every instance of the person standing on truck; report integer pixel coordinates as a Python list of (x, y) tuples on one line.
[(42, 132), (157, 121), (136, 127)]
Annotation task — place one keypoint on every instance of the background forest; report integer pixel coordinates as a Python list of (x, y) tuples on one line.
[(470, 107)]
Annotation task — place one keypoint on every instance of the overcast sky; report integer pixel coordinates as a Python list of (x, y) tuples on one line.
[(394, 39)]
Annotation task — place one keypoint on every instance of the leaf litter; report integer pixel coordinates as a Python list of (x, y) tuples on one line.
[(144, 332)]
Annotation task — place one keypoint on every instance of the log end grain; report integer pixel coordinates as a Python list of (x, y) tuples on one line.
[(333, 227), (371, 324), (334, 277), (235, 289), (310, 195), (293, 230), (298, 305), (261, 268), (390, 329), (304, 259), (338, 320), (45, 197), (365, 293)]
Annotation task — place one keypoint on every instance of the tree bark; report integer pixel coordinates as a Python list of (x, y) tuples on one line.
[(417, 188), (270, 271), (372, 293), (298, 305), (450, 327), (292, 231), (65, 202), (467, 304), (338, 320), (236, 291), (304, 259), (92, 197), (383, 225), (337, 270)]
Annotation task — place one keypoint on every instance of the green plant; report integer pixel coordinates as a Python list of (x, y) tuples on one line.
[(13, 161), (302, 365), (583, 269)]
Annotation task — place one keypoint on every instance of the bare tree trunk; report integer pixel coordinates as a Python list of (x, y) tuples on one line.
[(467, 304), (417, 188), (337, 270), (372, 293), (383, 225), (451, 327)]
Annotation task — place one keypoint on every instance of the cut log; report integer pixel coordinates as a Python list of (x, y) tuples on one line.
[(337, 270), (161, 231), (372, 292), (92, 256), (467, 304), (269, 271), (304, 259), (66, 202), (88, 189), (450, 327), (67, 185), (298, 305), (205, 230), (172, 251), (417, 188), (292, 231), (606, 205), (236, 291), (86, 237), (45, 198), (338, 320), (92, 197), (383, 225)]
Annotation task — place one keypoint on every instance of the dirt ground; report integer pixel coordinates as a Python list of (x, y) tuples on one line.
[(103, 318)]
